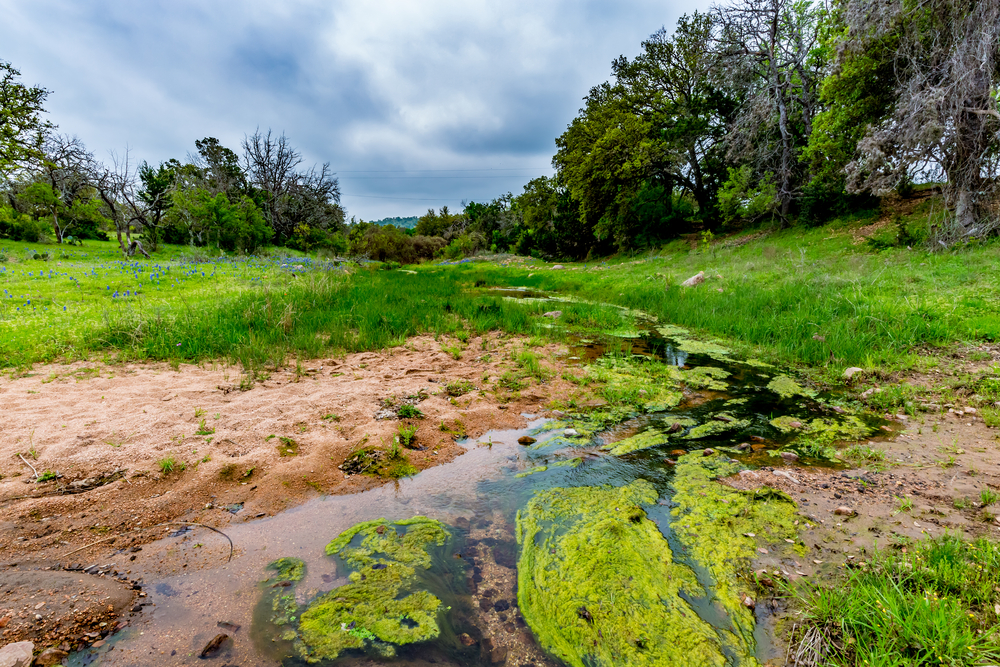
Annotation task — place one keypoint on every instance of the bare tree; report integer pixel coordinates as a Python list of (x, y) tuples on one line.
[(117, 186), (766, 53), (270, 164), (945, 123), (66, 167)]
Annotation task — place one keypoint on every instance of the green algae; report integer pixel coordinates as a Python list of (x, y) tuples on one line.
[(692, 346), (670, 331), (816, 437), (786, 387), (642, 383), (649, 438), (721, 528), (598, 585), (715, 427), (288, 569), (706, 377), (378, 609), (531, 471)]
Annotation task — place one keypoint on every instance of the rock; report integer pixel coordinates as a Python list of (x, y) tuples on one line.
[(694, 280), (558, 266), (795, 424), (844, 510), (498, 655), (839, 410), (526, 440), (790, 456), (970, 411), (868, 392), (675, 427), (571, 432), (214, 645), (677, 452), (16, 655), (708, 451), (466, 639), (743, 446), (49, 657), (748, 602), (501, 605), (852, 371), (553, 314)]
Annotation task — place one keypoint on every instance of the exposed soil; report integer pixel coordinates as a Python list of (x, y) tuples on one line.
[(104, 429)]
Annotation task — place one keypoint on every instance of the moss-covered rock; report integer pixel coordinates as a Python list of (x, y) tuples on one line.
[(721, 529), (378, 609), (598, 585), (816, 437)]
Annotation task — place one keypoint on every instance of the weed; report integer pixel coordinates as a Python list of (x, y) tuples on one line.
[(903, 505), (47, 476), (204, 429), (217, 415), (950, 462), (407, 411), (511, 381), (314, 484), (961, 503), (530, 363), (228, 471), (170, 464), (198, 412), (988, 496), (331, 417), (454, 350), (287, 446), (406, 436), (991, 416), (864, 453), (459, 387)]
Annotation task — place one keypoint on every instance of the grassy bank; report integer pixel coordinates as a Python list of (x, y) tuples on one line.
[(815, 297)]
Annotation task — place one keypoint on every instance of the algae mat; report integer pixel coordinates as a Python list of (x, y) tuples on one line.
[(381, 608), (598, 585)]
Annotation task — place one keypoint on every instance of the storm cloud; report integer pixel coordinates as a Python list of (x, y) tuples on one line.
[(414, 104)]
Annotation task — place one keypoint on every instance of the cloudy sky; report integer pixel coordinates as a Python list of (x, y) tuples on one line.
[(414, 103)]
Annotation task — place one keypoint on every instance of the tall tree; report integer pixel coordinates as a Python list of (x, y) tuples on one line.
[(943, 120), (769, 51), (63, 182), (22, 127)]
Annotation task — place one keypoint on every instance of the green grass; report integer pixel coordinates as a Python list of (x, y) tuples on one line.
[(407, 411), (801, 296), (170, 464), (457, 388), (406, 435), (933, 605)]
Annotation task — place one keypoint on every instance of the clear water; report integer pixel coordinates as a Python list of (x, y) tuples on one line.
[(478, 494)]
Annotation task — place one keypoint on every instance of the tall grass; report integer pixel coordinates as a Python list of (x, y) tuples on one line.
[(933, 606)]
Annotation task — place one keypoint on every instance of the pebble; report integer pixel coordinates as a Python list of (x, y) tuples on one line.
[(844, 510), (526, 440)]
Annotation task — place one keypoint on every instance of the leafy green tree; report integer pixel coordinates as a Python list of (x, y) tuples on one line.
[(22, 127)]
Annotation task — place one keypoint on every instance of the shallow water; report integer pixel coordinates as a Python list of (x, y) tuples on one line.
[(478, 494)]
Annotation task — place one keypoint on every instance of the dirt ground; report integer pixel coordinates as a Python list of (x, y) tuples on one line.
[(102, 430)]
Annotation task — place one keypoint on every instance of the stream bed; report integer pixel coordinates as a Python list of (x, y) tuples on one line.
[(591, 537)]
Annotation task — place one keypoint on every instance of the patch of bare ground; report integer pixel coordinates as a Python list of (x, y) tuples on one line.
[(107, 433)]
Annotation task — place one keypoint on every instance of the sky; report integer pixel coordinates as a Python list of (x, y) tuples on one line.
[(414, 103)]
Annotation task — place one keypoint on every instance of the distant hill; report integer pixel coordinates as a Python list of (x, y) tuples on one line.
[(406, 223)]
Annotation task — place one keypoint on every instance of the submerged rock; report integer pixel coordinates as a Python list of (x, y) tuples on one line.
[(593, 548)]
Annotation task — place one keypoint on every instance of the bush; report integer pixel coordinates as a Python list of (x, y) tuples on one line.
[(21, 227)]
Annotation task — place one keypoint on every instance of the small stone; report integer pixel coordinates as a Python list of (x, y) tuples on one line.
[(558, 266), (677, 452), (790, 456), (970, 411), (553, 314), (675, 427), (571, 432), (526, 440), (499, 654), (694, 280), (852, 371), (49, 657), (214, 645), (708, 451), (466, 639), (748, 602), (98, 644), (844, 510), (16, 655), (501, 605)]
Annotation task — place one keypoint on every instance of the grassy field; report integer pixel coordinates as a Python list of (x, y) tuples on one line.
[(812, 297)]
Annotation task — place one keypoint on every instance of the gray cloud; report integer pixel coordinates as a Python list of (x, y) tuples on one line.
[(375, 88)]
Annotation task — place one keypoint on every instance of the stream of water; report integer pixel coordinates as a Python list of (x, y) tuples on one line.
[(478, 495)]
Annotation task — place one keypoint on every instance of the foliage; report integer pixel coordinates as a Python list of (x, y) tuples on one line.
[(741, 200), (21, 123)]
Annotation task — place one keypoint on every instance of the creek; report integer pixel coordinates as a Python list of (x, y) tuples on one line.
[(478, 496)]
